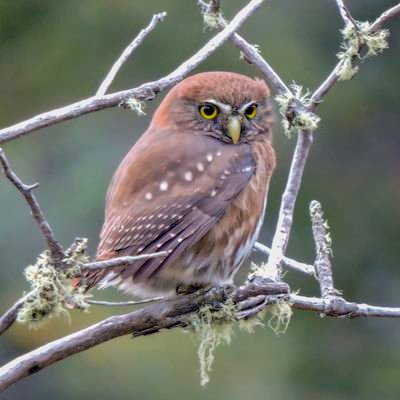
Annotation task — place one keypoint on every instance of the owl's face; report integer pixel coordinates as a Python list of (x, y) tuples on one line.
[(227, 106)]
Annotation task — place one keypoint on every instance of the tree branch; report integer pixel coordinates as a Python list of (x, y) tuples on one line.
[(128, 51), (177, 313), (323, 250), (55, 248), (288, 262), (144, 92), (149, 320)]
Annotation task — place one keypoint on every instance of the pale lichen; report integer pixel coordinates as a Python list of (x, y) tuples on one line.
[(317, 217), (292, 107), (281, 315), (212, 328), (52, 291), (136, 105), (355, 36)]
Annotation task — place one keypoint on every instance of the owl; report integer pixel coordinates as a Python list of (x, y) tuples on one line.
[(194, 186)]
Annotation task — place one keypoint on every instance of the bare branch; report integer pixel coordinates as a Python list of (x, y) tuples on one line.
[(146, 91), (338, 307), (253, 56), (345, 13), (285, 220), (323, 266), (385, 17), (128, 51), (121, 261), (55, 248), (288, 262), (123, 303)]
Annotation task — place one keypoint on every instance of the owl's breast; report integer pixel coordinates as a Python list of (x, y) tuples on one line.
[(231, 240)]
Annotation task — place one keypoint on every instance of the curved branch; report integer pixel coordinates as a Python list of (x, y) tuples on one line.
[(55, 248), (144, 92)]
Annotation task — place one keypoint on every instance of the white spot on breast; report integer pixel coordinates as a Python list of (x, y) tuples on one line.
[(188, 176), (200, 166), (163, 186), (213, 193), (148, 196), (218, 153), (209, 157)]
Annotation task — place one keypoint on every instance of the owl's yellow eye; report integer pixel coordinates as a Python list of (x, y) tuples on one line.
[(251, 111), (208, 111)]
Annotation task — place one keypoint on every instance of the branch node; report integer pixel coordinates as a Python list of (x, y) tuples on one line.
[(356, 35), (52, 292), (294, 108)]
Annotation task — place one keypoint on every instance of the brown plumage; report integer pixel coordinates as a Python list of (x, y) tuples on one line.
[(195, 185)]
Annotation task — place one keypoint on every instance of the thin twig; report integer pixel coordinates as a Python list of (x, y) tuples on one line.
[(333, 77), (128, 51), (288, 262), (55, 248), (121, 261), (123, 303), (144, 92), (253, 56), (323, 250), (10, 316), (345, 13)]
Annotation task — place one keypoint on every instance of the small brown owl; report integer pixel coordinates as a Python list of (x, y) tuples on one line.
[(194, 185)]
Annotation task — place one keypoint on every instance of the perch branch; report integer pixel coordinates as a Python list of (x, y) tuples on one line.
[(177, 313), (144, 92), (55, 248), (149, 320), (10, 316), (128, 51)]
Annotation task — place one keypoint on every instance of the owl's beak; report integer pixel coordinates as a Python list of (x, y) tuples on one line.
[(234, 127)]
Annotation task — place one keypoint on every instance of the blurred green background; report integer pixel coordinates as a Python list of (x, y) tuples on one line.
[(53, 53)]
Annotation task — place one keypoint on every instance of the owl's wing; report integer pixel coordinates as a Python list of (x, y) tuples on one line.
[(165, 198)]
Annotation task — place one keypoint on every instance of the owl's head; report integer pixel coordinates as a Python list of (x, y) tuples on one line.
[(228, 106)]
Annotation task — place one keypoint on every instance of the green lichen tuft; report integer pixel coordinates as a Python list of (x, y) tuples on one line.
[(52, 291), (212, 328), (280, 318), (136, 105), (355, 36), (249, 325), (302, 119)]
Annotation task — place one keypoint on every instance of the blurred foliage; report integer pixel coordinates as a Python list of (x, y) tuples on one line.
[(55, 52)]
